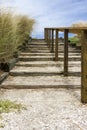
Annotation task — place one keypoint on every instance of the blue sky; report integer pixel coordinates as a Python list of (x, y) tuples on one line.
[(49, 13)]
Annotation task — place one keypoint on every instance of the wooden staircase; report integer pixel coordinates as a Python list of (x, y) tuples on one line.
[(37, 68)]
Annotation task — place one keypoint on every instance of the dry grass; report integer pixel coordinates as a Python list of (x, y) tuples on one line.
[(14, 31), (24, 27), (6, 33)]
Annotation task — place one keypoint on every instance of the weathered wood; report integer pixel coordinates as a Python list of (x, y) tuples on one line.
[(45, 34), (84, 68), (56, 46), (75, 30), (49, 37), (65, 52), (52, 40)]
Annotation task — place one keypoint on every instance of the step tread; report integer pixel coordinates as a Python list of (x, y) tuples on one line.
[(50, 62), (54, 69), (71, 56), (42, 80)]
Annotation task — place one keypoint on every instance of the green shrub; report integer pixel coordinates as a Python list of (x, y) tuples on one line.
[(74, 40)]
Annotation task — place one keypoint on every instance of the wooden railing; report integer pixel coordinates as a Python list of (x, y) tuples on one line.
[(49, 38)]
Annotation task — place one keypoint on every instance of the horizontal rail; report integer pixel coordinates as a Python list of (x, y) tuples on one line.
[(75, 30)]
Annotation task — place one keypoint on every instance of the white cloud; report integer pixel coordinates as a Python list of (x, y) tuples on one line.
[(50, 13)]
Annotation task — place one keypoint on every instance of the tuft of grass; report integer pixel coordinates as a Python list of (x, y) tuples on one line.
[(2, 125), (7, 106)]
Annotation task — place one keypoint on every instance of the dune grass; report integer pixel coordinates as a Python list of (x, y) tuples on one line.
[(6, 37), (23, 29), (14, 31)]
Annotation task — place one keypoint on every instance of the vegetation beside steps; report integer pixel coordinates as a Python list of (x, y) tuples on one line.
[(75, 42), (15, 33), (7, 106)]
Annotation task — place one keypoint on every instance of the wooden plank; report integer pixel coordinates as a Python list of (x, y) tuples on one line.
[(75, 30), (56, 46), (84, 68), (65, 52)]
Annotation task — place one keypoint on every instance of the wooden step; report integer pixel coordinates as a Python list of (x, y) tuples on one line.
[(53, 70), (48, 58), (41, 82), (48, 63), (47, 54)]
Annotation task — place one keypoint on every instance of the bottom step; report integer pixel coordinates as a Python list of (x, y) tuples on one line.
[(39, 86), (42, 82)]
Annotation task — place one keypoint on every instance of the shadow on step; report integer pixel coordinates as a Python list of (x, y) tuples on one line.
[(27, 74)]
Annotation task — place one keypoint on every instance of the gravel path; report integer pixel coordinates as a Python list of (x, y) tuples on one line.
[(47, 109)]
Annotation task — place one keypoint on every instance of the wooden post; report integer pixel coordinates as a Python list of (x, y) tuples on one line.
[(84, 68), (47, 37), (45, 34), (56, 46), (52, 40), (66, 52)]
